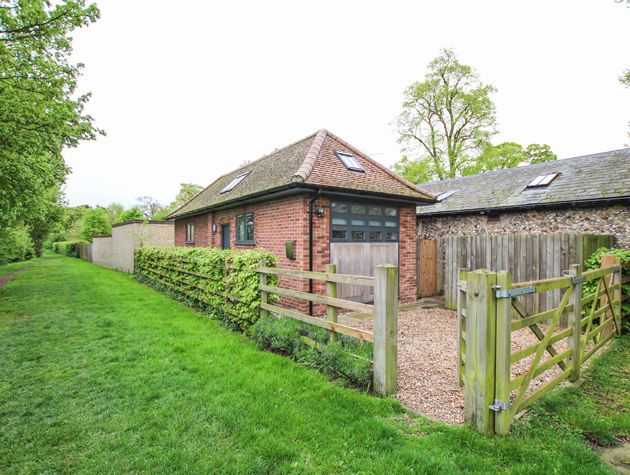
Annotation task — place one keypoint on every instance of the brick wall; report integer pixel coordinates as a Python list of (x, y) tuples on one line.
[(613, 220), (286, 219)]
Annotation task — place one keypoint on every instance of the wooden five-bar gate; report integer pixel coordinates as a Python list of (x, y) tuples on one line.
[(491, 310)]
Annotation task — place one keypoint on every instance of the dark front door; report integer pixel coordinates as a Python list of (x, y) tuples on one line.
[(225, 236)]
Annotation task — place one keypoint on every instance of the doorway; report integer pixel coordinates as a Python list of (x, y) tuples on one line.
[(225, 236)]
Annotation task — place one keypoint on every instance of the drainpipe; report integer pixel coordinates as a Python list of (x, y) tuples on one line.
[(311, 203)]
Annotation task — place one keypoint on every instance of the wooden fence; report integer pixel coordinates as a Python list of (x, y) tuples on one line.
[(524, 256), (385, 311), (489, 315)]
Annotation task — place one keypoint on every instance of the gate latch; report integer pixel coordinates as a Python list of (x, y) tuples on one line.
[(499, 406), (503, 294), (578, 280)]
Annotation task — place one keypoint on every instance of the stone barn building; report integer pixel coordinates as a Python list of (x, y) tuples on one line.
[(588, 194), (312, 203)]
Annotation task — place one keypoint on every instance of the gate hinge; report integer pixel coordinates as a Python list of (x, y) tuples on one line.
[(503, 294), (500, 406)]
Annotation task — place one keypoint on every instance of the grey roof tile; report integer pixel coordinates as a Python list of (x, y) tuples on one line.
[(599, 176)]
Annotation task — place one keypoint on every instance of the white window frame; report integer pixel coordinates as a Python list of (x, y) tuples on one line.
[(231, 185), (349, 161), (190, 233)]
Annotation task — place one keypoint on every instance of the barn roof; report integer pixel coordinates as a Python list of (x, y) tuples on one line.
[(311, 162), (589, 179)]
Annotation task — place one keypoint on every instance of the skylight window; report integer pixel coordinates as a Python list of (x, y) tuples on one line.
[(231, 185), (542, 180), (349, 161), (445, 194)]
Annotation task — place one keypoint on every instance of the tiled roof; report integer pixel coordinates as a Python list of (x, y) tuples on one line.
[(601, 176), (308, 162)]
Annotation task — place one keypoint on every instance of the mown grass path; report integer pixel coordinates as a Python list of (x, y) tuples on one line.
[(99, 374)]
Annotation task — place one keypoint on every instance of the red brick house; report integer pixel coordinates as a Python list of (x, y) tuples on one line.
[(314, 202)]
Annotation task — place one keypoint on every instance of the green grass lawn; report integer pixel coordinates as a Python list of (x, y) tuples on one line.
[(100, 374)]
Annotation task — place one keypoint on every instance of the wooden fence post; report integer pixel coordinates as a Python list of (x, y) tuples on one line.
[(263, 295), (502, 416), (385, 329), (331, 291), (479, 371), (461, 324), (575, 322)]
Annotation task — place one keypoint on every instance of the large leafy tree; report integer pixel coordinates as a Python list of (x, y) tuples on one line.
[(508, 155), (446, 119), (40, 110), (446, 125), (95, 221)]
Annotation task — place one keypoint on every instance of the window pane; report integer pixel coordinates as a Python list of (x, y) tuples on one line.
[(390, 211), (240, 228), (391, 236), (339, 207), (340, 221), (391, 224), (375, 235), (375, 223), (357, 209), (339, 234), (250, 227), (358, 235), (358, 222), (375, 211)]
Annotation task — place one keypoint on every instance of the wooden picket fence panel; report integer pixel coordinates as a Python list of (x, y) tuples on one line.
[(489, 312), (384, 310), (527, 257)]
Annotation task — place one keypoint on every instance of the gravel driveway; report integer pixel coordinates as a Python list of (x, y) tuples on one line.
[(427, 361)]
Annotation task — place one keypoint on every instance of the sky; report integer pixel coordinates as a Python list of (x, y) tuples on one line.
[(189, 90)]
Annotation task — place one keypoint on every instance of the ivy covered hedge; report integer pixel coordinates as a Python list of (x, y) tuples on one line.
[(68, 248), (222, 283)]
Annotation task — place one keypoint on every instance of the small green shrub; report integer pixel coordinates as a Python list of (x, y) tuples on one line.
[(595, 261), (348, 360), (222, 283), (68, 248)]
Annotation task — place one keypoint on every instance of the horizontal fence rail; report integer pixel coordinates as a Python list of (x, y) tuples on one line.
[(490, 314), (385, 311)]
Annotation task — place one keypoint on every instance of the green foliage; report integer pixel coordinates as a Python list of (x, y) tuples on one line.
[(15, 244), (508, 155), (130, 215), (95, 221), (68, 248), (187, 191), (150, 207), (595, 261), (348, 360), (41, 112), (446, 118), (226, 286), (446, 125), (114, 211)]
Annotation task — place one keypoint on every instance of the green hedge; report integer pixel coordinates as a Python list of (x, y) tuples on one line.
[(220, 282), (595, 262), (68, 248)]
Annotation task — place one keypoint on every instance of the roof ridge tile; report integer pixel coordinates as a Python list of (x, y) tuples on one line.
[(310, 158)]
